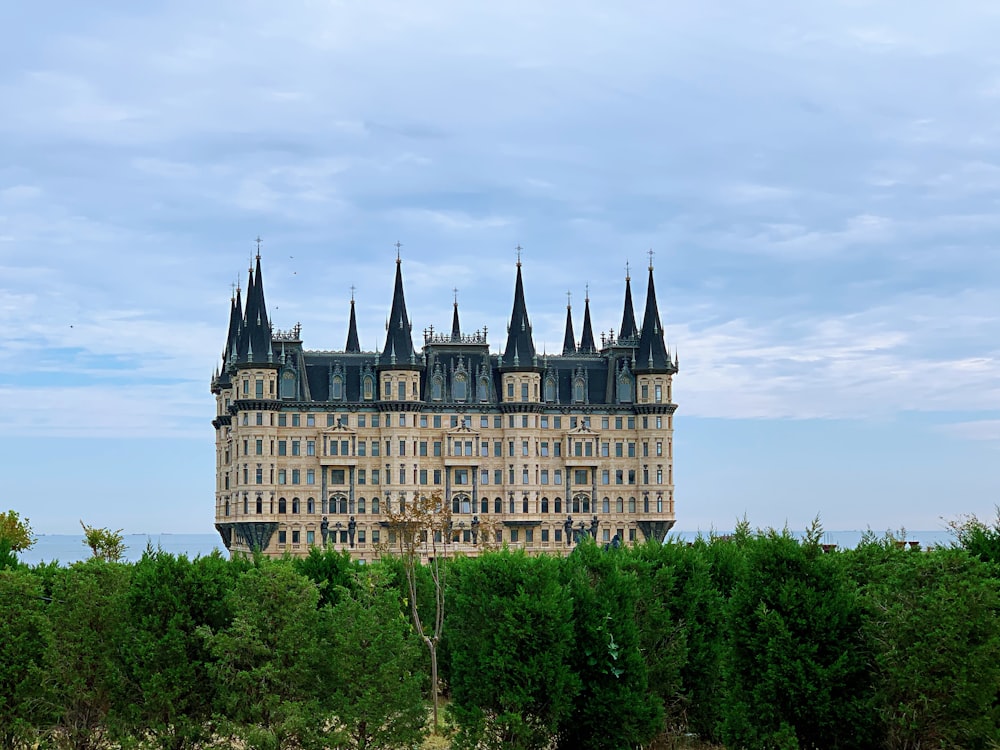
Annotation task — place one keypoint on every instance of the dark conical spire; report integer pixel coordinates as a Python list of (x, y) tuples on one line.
[(235, 318), (652, 353), (520, 351), (569, 340), (398, 345), (255, 334), (587, 345), (628, 328), (456, 329), (353, 344)]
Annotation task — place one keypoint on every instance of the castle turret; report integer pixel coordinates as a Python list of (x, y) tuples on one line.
[(353, 343), (520, 350), (587, 345), (628, 329), (652, 354), (254, 344), (569, 340), (398, 364)]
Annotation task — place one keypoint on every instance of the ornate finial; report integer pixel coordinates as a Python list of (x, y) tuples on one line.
[(233, 290), (569, 298), (258, 241), (455, 292), (627, 275), (397, 246), (650, 253), (352, 292), (518, 248), (587, 292)]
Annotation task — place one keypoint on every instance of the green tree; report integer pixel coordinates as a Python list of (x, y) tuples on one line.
[(376, 688), (169, 691), (269, 665), (24, 637), (978, 537), (106, 545), (15, 536), (83, 662), (615, 707), (332, 571), (510, 634), (796, 660), (934, 622)]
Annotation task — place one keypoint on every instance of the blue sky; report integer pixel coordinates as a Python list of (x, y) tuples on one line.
[(819, 181)]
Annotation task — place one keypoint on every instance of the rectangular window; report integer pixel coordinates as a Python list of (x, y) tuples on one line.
[(631, 449), (484, 476), (513, 535), (618, 423), (375, 476), (423, 420), (524, 447), (296, 448), (437, 476), (454, 420), (402, 447), (310, 537), (282, 448), (497, 448), (557, 449), (282, 476), (604, 423), (544, 448), (437, 421), (619, 476), (558, 476), (310, 447), (295, 420), (484, 421), (282, 537), (282, 420), (619, 449), (498, 476), (376, 419), (631, 423), (461, 476), (362, 476), (524, 475), (375, 448), (402, 420), (545, 476), (402, 475), (645, 449), (437, 448), (260, 475), (510, 391), (545, 535), (362, 448), (259, 445), (524, 391), (423, 447), (310, 476), (588, 449), (578, 447), (631, 476), (310, 420), (296, 476), (605, 450), (580, 476), (337, 476), (334, 448), (388, 447), (295, 537), (557, 423), (260, 418), (605, 477), (572, 423), (329, 420), (423, 476), (545, 423), (558, 535)]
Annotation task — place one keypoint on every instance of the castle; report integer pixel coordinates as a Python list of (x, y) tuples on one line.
[(526, 450)]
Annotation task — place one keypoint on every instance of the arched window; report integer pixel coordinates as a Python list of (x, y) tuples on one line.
[(620, 505), (282, 505), (375, 504), (576, 504), (310, 506), (498, 506), (260, 505), (606, 505), (361, 505), (295, 505), (454, 504), (645, 504), (483, 390), (484, 505), (631, 505), (437, 388), (550, 389), (586, 504), (545, 505), (227, 507), (459, 388), (558, 505), (338, 388), (246, 506), (578, 390), (288, 384), (342, 504), (368, 387), (510, 505), (466, 503), (524, 504)]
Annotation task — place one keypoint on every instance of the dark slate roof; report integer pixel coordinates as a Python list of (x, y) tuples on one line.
[(587, 345), (520, 350), (353, 344), (255, 337), (398, 344), (569, 340), (652, 353), (628, 327)]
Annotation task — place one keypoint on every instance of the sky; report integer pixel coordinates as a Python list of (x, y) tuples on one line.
[(819, 183)]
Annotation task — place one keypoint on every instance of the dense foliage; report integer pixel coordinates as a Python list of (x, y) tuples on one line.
[(756, 640)]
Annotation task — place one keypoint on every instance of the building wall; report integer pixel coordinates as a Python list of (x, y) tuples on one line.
[(284, 463)]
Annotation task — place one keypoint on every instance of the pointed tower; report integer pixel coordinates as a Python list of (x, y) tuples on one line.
[(569, 340), (353, 343), (398, 364), (456, 329), (652, 354), (587, 345), (628, 329), (520, 351), (521, 375), (255, 337)]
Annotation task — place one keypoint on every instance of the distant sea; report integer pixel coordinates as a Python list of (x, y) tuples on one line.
[(69, 548)]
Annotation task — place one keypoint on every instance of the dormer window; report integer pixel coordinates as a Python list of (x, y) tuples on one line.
[(578, 390), (338, 388), (550, 389), (437, 388), (459, 388)]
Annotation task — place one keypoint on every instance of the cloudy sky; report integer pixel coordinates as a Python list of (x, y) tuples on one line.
[(820, 183)]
